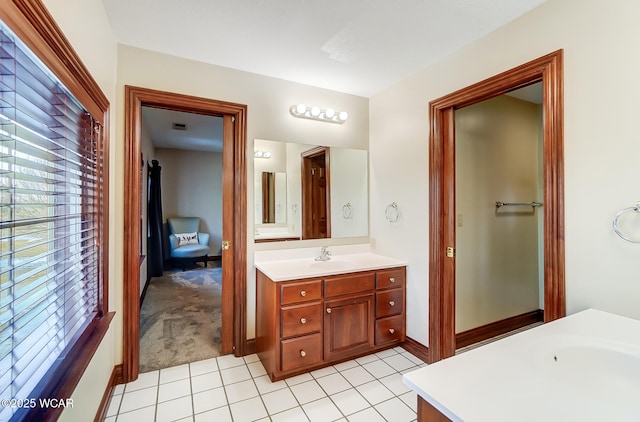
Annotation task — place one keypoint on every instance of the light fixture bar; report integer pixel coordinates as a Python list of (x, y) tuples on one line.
[(262, 154), (316, 113)]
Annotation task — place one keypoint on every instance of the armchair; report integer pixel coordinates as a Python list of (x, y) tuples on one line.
[(185, 242)]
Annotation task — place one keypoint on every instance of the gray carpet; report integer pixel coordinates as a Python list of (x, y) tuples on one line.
[(180, 318)]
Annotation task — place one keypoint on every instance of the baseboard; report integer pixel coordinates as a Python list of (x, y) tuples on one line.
[(419, 350), (250, 346), (497, 328), (115, 379)]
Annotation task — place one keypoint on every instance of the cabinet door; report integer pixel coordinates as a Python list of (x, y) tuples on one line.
[(349, 326)]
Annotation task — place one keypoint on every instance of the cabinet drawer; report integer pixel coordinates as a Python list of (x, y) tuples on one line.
[(349, 284), (390, 278), (389, 302), (300, 292), (301, 352), (302, 319), (389, 330)]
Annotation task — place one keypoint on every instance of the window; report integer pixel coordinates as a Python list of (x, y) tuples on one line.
[(52, 240)]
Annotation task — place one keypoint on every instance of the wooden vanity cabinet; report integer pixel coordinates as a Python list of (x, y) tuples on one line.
[(302, 325)]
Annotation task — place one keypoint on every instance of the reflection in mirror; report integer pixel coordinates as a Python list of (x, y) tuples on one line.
[(274, 197), (344, 192)]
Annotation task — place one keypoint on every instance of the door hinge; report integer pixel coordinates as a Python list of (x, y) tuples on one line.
[(451, 252), (225, 245)]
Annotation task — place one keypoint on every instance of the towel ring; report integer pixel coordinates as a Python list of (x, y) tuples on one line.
[(392, 212), (347, 211), (635, 208)]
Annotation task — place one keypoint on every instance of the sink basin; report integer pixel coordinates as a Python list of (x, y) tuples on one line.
[(332, 264)]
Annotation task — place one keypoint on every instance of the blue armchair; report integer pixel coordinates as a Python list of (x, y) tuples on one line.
[(185, 242)]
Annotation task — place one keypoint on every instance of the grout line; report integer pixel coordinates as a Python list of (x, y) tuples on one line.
[(193, 406), (288, 387)]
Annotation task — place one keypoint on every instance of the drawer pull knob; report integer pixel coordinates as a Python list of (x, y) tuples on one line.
[(392, 303), (392, 280), (328, 310), (391, 331), (303, 293), (303, 320), (303, 353)]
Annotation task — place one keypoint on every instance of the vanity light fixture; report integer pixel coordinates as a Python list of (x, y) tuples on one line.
[(316, 113), (262, 154)]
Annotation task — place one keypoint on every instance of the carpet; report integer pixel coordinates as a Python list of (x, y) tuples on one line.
[(181, 318)]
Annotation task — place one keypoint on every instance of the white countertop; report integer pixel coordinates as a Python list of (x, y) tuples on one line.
[(584, 367), (306, 267), (275, 235)]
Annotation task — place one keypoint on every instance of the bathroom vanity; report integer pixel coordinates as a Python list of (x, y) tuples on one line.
[(312, 314)]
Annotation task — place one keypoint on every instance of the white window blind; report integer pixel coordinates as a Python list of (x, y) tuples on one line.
[(51, 199)]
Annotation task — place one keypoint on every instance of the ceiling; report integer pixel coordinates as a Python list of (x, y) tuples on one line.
[(358, 47), (201, 133)]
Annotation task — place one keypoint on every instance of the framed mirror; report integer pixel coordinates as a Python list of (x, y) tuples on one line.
[(306, 191)]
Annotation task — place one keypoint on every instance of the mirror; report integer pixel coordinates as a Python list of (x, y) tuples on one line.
[(308, 191)]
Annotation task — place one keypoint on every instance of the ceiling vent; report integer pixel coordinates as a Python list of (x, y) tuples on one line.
[(180, 126)]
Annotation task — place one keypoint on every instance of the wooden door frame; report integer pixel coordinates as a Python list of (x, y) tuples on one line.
[(548, 70), (234, 314)]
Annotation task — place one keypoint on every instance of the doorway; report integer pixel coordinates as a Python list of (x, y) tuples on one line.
[(233, 216), (442, 194), (316, 190), (181, 303), (498, 173)]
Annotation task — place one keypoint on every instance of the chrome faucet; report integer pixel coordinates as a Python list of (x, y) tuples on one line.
[(325, 254)]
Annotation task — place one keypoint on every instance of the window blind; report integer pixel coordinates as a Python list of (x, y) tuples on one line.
[(51, 199)]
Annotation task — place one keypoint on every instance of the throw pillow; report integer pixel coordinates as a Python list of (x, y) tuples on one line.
[(187, 238)]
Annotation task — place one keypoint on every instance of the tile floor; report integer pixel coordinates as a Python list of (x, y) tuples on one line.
[(227, 388)]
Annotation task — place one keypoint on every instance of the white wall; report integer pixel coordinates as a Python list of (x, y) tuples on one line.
[(192, 187), (497, 144), (601, 147), (268, 100), (86, 26)]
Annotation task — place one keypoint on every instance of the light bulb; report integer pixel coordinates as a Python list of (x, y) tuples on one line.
[(343, 115), (266, 154), (315, 111), (258, 154), (329, 113), (301, 108)]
